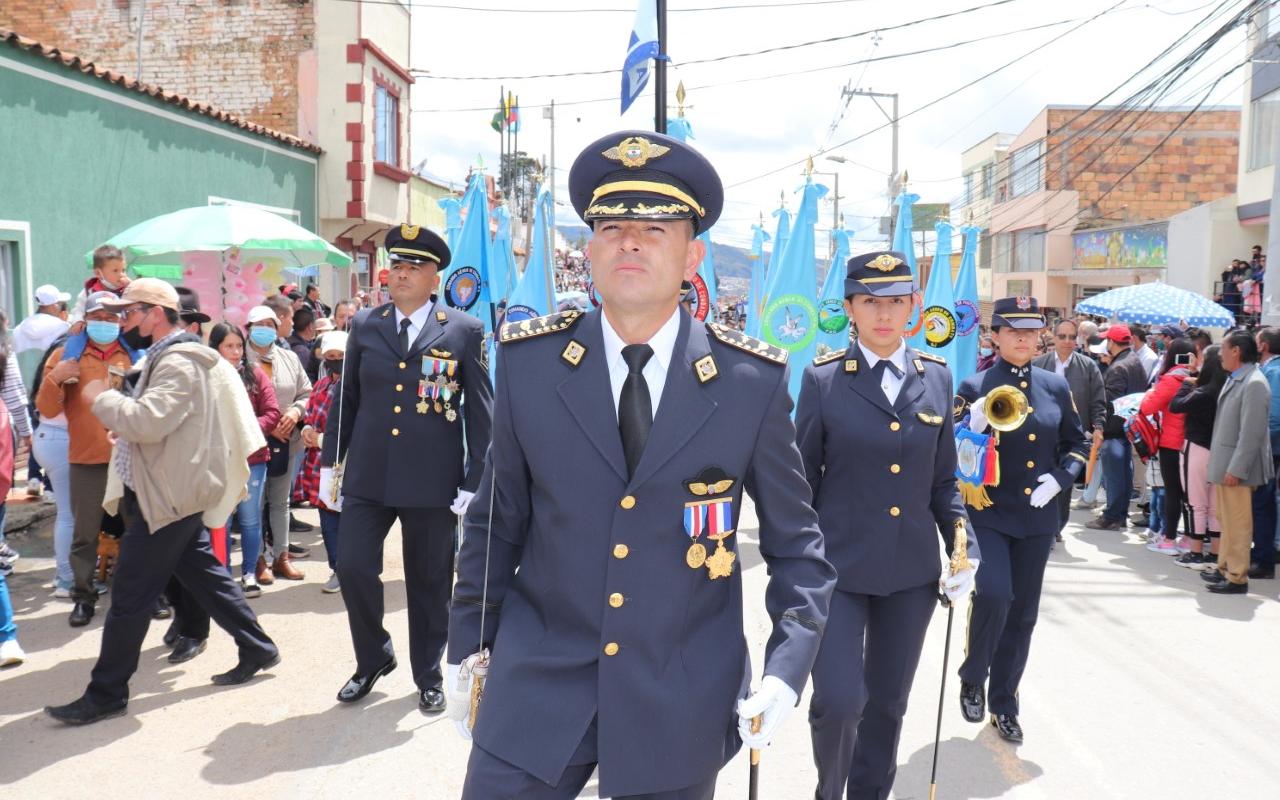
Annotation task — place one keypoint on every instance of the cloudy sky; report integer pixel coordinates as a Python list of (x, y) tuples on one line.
[(756, 120)]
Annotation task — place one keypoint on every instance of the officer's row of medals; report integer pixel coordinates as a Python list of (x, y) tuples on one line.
[(439, 385), (710, 518)]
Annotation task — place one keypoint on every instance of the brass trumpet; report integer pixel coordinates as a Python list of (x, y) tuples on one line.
[(1005, 408)]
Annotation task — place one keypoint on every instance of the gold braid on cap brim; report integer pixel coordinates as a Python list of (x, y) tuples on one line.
[(409, 251), (653, 187)]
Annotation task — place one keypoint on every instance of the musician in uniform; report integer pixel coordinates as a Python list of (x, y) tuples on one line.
[(415, 390), (875, 432), (1041, 450), (607, 517)]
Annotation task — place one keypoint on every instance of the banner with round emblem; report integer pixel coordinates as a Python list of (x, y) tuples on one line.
[(462, 289), (939, 326)]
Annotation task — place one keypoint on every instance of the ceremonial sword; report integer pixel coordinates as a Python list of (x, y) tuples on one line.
[(959, 561)]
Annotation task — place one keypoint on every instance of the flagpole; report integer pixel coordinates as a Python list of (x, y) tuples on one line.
[(502, 132), (660, 72)]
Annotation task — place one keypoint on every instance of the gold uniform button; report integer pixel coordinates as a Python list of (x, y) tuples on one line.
[(1026, 491), (895, 511), (1031, 464), (402, 365), (895, 469), (395, 431), (396, 409), (611, 649), (628, 502), (616, 600), (621, 551), (399, 387), (1030, 409), (1031, 437), (893, 426)]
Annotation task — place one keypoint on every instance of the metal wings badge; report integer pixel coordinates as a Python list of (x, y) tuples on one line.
[(884, 262), (635, 151)]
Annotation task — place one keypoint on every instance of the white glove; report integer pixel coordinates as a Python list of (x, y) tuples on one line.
[(461, 502), (774, 702), (978, 417), (457, 691), (958, 586), (1046, 491)]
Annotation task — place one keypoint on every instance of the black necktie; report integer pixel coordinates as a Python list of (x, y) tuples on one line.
[(635, 409), (883, 364), (404, 335)]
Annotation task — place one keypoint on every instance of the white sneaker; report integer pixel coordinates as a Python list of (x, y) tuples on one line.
[(331, 586), (62, 592), (1163, 545), (11, 653), (34, 488), (251, 587)]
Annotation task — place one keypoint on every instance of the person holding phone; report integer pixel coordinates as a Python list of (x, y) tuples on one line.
[(1174, 369)]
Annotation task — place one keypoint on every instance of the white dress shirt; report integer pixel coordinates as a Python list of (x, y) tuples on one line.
[(417, 321), (655, 371), (890, 383), (1060, 366)]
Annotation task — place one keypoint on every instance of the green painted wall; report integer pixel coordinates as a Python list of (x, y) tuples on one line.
[(81, 168)]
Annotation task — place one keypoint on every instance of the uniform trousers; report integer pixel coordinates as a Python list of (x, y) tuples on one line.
[(1003, 614), (146, 561), (861, 680), (1235, 512), (491, 778), (426, 536)]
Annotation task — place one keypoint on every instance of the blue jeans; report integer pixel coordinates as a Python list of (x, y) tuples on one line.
[(329, 533), (1117, 468), (8, 630), (1090, 495), (1264, 524), (1155, 519), (249, 514), (50, 446)]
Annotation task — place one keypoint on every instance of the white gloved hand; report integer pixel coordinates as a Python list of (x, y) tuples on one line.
[(958, 586), (457, 692), (461, 501), (977, 415), (773, 702), (1046, 491)]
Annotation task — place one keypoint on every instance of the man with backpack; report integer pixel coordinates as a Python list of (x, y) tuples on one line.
[(1125, 375)]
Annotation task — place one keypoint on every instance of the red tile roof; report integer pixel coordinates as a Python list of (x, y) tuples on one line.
[(72, 61)]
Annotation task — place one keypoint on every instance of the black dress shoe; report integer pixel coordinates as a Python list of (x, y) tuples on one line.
[(360, 685), (1212, 576), (298, 526), (1262, 571), (431, 701), (298, 551), (973, 701), (162, 609), (244, 670), (186, 649), (81, 614), (1227, 587), (1008, 728), (172, 635), (84, 711)]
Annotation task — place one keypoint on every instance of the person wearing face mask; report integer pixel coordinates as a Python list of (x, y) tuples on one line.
[(880, 524), (333, 348), (104, 358)]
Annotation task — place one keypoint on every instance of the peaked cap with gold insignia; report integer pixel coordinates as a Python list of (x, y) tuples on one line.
[(417, 244)]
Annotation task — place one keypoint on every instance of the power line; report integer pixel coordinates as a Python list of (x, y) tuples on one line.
[(717, 59), (491, 10)]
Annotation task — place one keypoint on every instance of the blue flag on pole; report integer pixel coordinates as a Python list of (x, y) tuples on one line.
[(642, 47), (902, 243), (790, 318), (503, 274), (533, 296), (939, 329), (755, 314), (759, 268), (704, 283), (966, 295), (452, 220), (833, 322), (465, 285)]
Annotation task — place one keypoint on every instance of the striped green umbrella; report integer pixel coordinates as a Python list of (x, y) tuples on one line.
[(156, 247)]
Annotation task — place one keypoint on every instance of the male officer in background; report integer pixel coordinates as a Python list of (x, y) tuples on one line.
[(415, 383), (623, 440)]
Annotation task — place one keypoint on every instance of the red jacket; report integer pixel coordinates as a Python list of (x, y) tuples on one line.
[(267, 411), (1156, 401)]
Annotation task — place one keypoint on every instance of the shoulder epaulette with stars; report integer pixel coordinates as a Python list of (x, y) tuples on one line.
[(827, 358), (748, 344), (933, 358), (529, 328)]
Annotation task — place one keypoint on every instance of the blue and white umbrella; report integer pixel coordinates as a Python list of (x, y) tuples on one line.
[(1157, 304)]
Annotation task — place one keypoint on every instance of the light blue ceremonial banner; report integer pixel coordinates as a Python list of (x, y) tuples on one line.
[(642, 46), (503, 273), (453, 220), (782, 232), (465, 285), (833, 322), (759, 269), (965, 347), (532, 296), (902, 243), (939, 329)]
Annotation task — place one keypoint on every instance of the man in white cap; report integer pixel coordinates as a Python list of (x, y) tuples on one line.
[(171, 419), (38, 331)]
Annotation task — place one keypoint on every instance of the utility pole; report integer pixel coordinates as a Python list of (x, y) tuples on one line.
[(660, 72), (549, 112), (835, 211), (893, 121)]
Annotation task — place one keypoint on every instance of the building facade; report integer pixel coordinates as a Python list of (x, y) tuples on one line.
[(981, 166)]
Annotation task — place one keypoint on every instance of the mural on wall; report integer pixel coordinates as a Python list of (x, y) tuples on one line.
[(1122, 248)]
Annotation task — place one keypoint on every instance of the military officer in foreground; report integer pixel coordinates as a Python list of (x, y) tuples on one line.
[(607, 517), (415, 390), (875, 431), (1042, 450)]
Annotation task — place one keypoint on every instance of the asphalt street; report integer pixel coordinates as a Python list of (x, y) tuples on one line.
[(1140, 685)]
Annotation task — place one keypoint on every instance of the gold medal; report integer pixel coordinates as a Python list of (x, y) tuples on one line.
[(451, 415), (720, 564), (696, 555), (423, 407), (438, 407)]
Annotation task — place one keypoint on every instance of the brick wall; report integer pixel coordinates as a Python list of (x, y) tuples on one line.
[(240, 55), (1197, 163)]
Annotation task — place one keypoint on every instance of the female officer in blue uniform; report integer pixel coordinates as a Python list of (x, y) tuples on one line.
[(1038, 458), (875, 433)]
